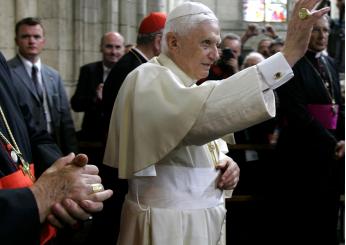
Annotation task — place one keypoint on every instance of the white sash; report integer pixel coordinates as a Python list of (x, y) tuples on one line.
[(177, 187)]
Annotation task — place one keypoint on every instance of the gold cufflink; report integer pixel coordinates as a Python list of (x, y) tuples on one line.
[(277, 75)]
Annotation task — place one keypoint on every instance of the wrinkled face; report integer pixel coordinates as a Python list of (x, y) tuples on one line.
[(30, 41), (319, 35), (112, 49), (196, 51), (234, 45)]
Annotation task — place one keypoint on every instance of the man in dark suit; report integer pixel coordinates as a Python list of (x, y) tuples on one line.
[(148, 46), (39, 87), (88, 95), (307, 174), (26, 204)]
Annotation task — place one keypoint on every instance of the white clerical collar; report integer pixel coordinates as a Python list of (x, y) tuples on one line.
[(105, 68), (318, 54), (106, 71), (141, 53)]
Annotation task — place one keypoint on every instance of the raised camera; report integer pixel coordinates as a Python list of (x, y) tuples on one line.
[(227, 54)]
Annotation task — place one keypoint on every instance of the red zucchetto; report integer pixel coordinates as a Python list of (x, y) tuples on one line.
[(153, 22)]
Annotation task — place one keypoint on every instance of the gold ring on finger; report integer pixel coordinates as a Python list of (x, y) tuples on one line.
[(97, 187), (304, 13)]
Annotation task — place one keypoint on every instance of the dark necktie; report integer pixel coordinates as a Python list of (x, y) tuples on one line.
[(38, 87)]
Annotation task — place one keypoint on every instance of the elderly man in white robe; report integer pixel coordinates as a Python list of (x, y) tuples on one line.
[(165, 131)]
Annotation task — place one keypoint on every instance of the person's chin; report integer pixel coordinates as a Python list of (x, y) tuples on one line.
[(205, 73)]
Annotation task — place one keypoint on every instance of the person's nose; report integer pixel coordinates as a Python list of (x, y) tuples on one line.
[(214, 54), (32, 39)]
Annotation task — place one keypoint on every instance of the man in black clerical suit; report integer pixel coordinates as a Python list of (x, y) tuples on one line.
[(148, 46), (27, 204), (88, 95), (306, 178)]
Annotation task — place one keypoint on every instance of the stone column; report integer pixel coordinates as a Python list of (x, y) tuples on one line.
[(26, 8), (156, 6), (141, 11), (128, 20), (110, 8), (7, 23)]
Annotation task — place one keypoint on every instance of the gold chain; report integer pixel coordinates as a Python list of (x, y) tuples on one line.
[(331, 91), (25, 166)]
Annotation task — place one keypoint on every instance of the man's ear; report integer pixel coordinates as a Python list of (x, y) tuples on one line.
[(172, 41), (157, 41)]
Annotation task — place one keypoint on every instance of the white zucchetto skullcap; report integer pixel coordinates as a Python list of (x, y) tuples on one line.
[(188, 9)]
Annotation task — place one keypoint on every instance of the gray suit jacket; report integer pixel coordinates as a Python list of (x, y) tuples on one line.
[(62, 124)]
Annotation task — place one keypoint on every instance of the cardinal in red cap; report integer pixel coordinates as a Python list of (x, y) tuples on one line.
[(153, 22)]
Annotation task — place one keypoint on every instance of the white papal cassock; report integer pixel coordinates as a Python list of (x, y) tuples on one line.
[(164, 137)]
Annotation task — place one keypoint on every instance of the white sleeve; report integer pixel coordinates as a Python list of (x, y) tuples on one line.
[(240, 101), (275, 71)]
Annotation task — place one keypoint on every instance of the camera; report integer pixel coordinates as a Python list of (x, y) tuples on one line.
[(227, 54)]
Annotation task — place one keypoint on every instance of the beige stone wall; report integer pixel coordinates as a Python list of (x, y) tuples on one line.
[(74, 27)]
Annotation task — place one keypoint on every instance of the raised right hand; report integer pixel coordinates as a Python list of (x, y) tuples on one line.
[(299, 31)]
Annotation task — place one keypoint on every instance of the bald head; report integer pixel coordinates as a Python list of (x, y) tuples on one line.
[(112, 48)]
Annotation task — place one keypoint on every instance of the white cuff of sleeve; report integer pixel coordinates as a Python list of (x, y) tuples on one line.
[(275, 71)]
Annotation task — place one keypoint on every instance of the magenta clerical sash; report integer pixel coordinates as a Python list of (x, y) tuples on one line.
[(326, 114)]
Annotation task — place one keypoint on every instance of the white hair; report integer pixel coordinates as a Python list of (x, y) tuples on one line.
[(258, 57)]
